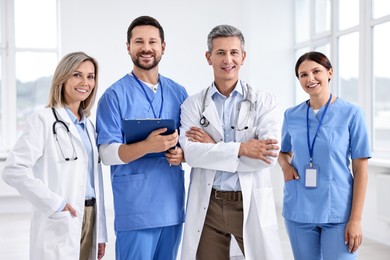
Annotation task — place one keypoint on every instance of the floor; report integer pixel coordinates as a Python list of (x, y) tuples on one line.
[(14, 240)]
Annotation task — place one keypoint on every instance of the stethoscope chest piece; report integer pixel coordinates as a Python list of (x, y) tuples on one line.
[(204, 122)]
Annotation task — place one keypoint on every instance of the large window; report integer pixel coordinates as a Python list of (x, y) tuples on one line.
[(29, 53), (355, 36)]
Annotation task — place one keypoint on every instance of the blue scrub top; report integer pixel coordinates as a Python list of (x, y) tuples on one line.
[(148, 193), (342, 136)]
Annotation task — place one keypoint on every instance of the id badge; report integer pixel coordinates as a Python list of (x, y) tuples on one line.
[(311, 176)]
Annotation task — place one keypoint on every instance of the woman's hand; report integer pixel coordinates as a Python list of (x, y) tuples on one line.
[(71, 210), (289, 173), (101, 250), (353, 235)]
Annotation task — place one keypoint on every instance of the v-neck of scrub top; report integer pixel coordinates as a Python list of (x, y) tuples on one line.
[(155, 100), (318, 114)]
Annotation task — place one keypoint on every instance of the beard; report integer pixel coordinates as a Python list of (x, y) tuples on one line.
[(137, 62)]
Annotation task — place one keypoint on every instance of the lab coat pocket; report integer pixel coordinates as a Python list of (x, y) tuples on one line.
[(62, 215), (131, 194), (60, 235), (58, 228), (265, 206)]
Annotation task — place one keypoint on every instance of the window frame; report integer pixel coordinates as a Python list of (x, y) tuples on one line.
[(8, 88), (365, 30)]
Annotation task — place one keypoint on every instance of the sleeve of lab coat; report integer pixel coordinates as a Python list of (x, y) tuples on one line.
[(267, 124), (18, 169)]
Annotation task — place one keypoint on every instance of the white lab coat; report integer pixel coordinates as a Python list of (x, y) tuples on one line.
[(260, 229), (37, 169)]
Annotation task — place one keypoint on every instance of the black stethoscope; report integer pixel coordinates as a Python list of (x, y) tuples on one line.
[(204, 122), (62, 123)]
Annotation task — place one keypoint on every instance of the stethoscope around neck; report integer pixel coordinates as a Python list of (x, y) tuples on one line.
[(62, 123), (204, 122)]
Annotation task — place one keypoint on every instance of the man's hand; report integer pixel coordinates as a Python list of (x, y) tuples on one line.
[(175, 156), (196, 134), (259, 149), (156, 142)]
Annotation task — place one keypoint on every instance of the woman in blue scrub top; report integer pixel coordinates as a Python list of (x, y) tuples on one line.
[(323, 198)]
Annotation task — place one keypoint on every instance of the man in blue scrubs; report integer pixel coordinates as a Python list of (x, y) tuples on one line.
[(148, 190)]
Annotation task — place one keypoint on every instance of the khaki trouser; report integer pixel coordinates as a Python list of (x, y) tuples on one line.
[(87, 232), (224, 218)]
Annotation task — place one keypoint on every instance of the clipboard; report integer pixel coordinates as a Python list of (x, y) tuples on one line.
[(139, 129)]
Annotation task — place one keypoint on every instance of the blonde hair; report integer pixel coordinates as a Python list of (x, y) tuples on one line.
[(68, 64)]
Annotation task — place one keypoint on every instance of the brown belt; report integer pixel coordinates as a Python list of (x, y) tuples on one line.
[(226, 195)]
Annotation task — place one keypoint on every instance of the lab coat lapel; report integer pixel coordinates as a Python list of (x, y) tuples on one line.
[(246, 107), (211, 114), (92, 136)]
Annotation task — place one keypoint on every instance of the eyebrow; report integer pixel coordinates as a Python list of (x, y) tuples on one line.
[(141, 38), (89, 73), (227, 50), (315, 68)]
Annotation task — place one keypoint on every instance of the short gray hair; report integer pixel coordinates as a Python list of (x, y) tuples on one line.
[(224, 30)]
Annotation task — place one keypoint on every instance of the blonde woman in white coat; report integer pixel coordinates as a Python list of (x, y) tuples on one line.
[(55, 165), (229, 134)]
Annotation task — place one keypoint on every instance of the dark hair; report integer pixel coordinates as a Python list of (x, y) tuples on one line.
[(145, 20), (224, 30), (315, 56)]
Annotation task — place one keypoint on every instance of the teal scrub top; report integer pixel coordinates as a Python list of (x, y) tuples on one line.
[(342, 136), (147, 192)]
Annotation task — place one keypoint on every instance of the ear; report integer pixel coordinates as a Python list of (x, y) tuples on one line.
[(128, 47), (330, 74), (163, 45), (243, 57), (208, 55)]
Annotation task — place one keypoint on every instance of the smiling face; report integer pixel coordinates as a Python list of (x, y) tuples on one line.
[(80, 84), (226, 57), (145, 47), (314, 78)]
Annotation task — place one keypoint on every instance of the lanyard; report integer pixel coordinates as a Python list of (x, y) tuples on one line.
[(311, 148), (147, 97)]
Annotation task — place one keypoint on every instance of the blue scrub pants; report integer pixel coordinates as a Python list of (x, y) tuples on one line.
[(310, 241), (148, 244)]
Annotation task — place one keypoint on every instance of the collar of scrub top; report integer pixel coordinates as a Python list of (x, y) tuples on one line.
[(147, 97), (311, 147)]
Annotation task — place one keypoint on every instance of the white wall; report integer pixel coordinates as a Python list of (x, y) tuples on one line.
[(99, 28)]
